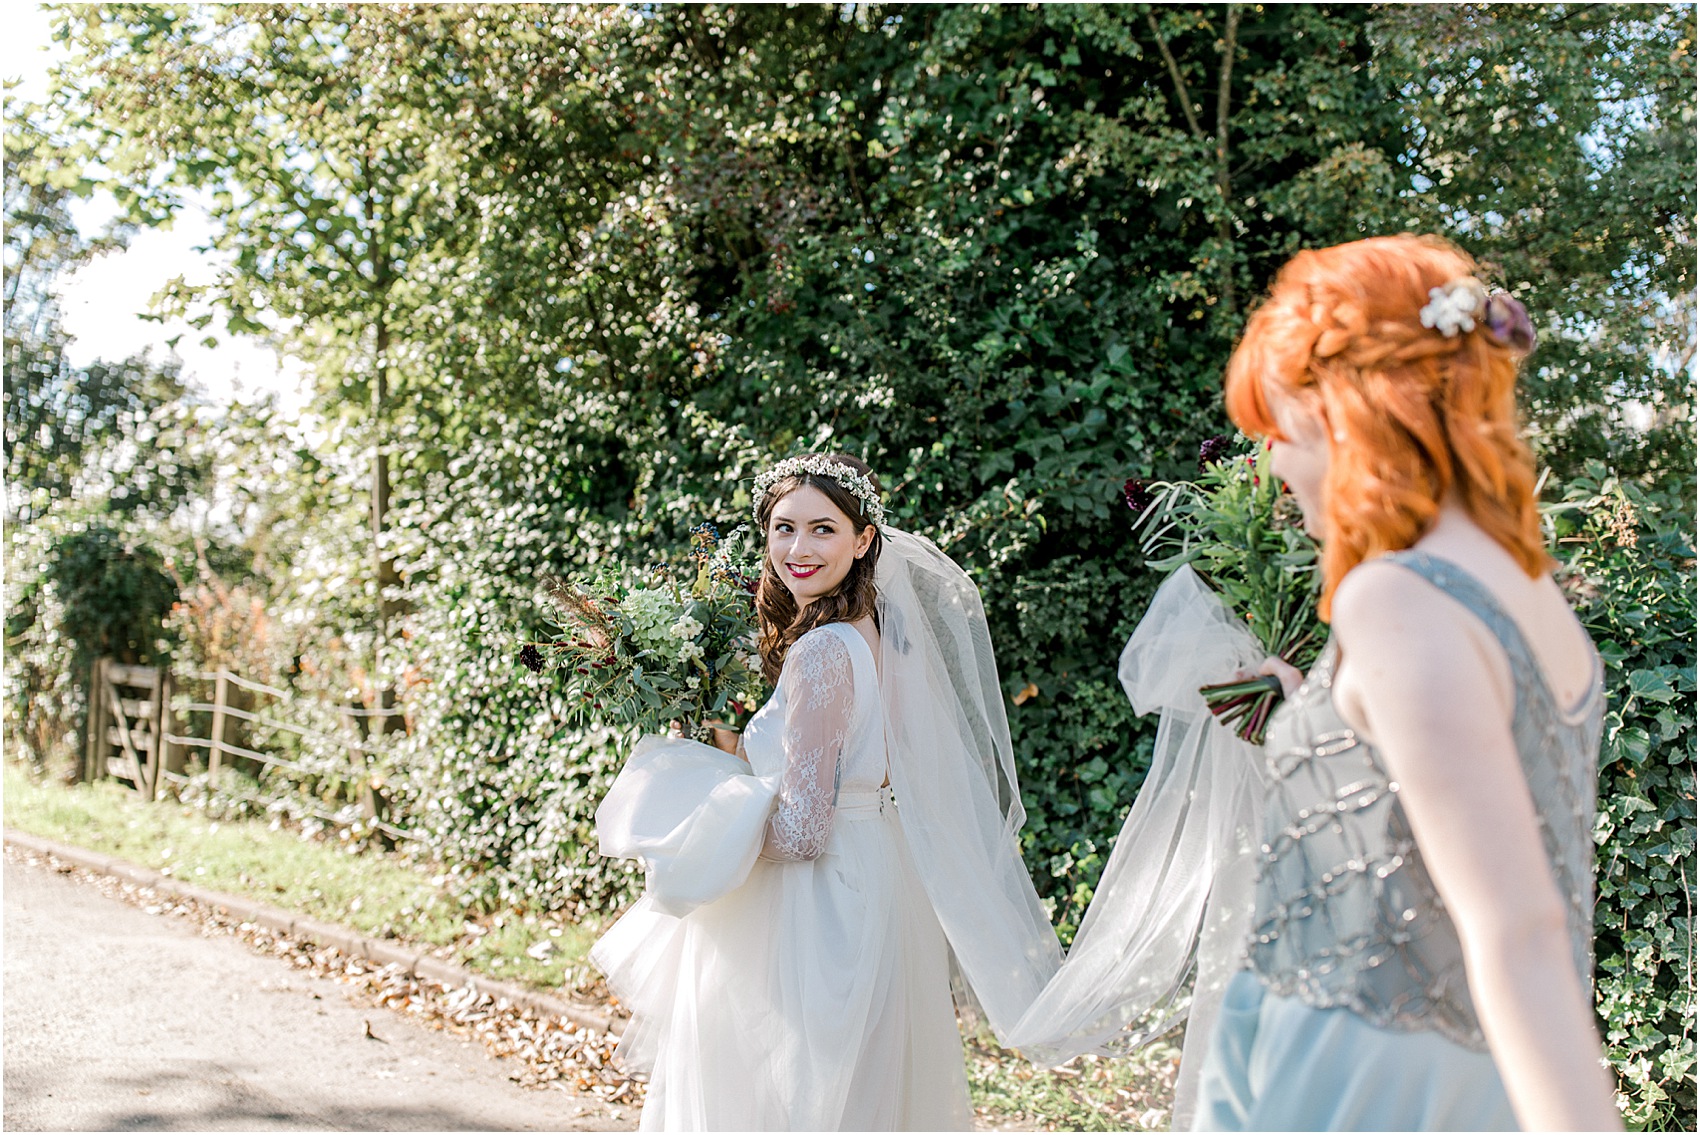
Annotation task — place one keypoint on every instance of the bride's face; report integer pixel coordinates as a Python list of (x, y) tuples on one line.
[(1301, 457), (812, 544)]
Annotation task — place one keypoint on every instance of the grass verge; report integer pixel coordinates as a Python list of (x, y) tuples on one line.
[(381, 895), (1089, 1093)]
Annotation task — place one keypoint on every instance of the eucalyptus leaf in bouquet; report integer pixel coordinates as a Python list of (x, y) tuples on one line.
[(1243, 533), (648, 650)]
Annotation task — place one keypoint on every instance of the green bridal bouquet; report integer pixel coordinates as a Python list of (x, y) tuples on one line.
[(645, 651), (1244, 534)]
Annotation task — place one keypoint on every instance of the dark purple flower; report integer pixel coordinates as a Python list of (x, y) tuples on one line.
[(704, 537), (1508, 321), (532, 658), (1138, 496), (1212, 450)]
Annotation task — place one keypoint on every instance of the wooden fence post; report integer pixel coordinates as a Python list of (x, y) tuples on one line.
[(94, 748), (215, 751), (168, 755)]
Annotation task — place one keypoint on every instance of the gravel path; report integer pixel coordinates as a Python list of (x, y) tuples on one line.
[(119, 1020)]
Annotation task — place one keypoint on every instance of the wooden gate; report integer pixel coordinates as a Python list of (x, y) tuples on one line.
[(126, 726), (136, 735)]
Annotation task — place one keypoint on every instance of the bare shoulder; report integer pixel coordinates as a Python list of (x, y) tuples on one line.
[(1400, 636), (1379, 602)]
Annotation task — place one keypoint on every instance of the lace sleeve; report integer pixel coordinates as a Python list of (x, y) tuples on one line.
[(820, 695)]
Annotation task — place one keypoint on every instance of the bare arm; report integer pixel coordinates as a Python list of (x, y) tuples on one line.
[(1423, 678), (728, 740)]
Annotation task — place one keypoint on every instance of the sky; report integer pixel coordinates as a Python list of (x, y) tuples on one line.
[(101, 303)]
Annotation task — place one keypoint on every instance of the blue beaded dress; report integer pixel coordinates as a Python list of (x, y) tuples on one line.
[(1352, 1011)]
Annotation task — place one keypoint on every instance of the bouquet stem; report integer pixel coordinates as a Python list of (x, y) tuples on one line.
[(1246, 705)]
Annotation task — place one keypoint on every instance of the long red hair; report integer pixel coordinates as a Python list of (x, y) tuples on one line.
[(1412, 414)]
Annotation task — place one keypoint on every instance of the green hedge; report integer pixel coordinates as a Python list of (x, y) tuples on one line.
[(972, 244), (1629, 560)]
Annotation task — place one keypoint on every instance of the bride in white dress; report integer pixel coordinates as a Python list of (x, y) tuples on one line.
[(789, 966)]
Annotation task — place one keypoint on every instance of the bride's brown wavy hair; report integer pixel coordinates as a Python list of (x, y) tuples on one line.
[(779, 622), (1412, 414)]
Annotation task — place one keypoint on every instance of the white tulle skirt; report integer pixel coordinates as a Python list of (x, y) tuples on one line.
[(813, 997)]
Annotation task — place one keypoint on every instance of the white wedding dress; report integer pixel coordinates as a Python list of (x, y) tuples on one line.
[(791, 962), (814, 995)]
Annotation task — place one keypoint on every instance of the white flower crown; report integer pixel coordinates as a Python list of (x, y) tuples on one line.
[(820, 465)]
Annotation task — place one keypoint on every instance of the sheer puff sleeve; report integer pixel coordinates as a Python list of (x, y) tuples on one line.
[(820, 698)]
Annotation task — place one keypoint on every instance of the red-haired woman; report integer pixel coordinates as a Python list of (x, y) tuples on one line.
[(1420, 952)]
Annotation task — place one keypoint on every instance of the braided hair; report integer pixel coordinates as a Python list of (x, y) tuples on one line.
[(1413, 413)]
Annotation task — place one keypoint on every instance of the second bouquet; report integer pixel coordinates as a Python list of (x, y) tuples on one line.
[(1245, 536)]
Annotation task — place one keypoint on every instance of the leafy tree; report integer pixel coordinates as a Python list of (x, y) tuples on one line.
[(324, 175), (111, 429), (77, 591), (1557, 141), (98, 459)]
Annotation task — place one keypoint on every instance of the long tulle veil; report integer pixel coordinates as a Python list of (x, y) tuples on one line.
[(1163, 933), (953, 773)]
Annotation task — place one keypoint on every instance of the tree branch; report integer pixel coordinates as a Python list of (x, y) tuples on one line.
[(1687, 357), (1223, 91), (1175, 74)]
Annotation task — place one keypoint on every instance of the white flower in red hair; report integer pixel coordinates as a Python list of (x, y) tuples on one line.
[(1454, 308)]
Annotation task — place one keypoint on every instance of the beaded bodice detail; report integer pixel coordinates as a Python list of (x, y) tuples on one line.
[(1346, 913)]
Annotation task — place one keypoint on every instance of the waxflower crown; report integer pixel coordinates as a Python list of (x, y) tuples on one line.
[(1458, 305), (820, 465)]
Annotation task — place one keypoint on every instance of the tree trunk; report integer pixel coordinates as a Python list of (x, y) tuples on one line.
[(1224, 119), (1225, 222), (384, 570)]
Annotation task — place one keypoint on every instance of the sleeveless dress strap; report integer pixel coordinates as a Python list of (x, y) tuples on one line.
[(1557, 746), (1476, 599)]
